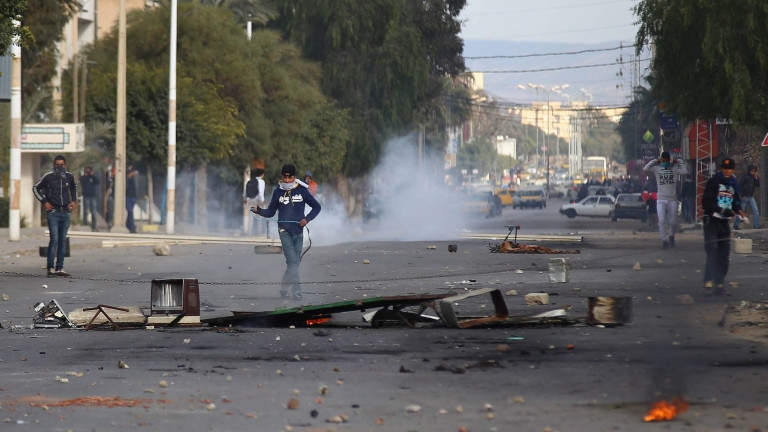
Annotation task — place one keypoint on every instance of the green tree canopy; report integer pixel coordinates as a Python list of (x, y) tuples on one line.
[(237, 100), (11, 10), (383, 60), (710, 56)]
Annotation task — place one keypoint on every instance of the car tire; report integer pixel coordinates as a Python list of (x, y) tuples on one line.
[(571, 213)]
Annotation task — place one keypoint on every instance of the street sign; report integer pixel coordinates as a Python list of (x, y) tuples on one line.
[(765, 141), (49, 137)]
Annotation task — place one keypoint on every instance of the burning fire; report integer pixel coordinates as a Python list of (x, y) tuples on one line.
[(664, 411)]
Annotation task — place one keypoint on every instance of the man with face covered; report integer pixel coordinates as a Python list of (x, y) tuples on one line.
[(667, 172), (58, 193)]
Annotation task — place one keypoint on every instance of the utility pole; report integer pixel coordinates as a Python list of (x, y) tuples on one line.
[(14, 217), (170, 216), (118, 221)]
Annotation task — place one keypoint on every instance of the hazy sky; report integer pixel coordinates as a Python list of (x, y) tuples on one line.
[(574, 21)]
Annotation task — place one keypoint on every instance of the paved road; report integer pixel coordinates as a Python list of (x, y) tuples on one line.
[(531, 378)]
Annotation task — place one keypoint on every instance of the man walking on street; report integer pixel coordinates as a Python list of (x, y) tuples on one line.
[(88, 184), (57, 191), (666, 172), (747, 184), (289, 201), (720, 202)]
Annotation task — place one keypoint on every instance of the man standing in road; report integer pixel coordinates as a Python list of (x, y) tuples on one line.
[(88, 184), (747, 184), (666, 172), (289, 201), (721, 202), (57, 191), (253, 196), (130, 197)]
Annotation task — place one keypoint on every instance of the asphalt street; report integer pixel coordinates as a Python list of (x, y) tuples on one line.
[(349, 376)]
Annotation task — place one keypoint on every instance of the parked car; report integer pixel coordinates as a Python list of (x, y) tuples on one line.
[(534, 197), (507, 196), (630, 206), (593, 206), (484, 203)]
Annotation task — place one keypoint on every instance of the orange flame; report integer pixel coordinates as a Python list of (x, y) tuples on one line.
[(317, 321), (664, 411)]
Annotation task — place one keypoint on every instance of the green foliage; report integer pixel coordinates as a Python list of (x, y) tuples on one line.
[(237, 100), (11, 10), (601, 137), (46, 19), (710, 57), (641, 115), (385, 61)]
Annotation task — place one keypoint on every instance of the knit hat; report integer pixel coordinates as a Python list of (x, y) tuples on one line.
[(665, 155), (288, 169), (308, 173), (728, 163)]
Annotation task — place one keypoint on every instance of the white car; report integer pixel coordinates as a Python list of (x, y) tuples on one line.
[(593, 206)]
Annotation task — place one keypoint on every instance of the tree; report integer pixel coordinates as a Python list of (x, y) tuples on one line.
[(642, 115), (710, 57), (10, 11), (385, 61)]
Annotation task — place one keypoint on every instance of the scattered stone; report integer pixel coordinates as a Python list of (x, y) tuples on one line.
[(161, 249), (122, 365), (512, 292), (488, 407), (413, 408), (162, 383), (323, 390), (685, 299), (636, 267), (431, 247), (293, 404), (211, 406), (537, 299), (518, 399), (62, 380), (366, 261), (6, 297)]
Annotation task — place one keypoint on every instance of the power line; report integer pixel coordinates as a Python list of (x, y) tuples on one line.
[(552, 69), (550, 54)]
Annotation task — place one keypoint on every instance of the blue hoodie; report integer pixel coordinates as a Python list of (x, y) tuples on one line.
[(289, 204), (721, 193)]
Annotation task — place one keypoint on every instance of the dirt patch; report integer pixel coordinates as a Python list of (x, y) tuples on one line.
[(747, 320)]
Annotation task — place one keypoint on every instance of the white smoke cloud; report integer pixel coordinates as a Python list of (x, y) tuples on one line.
[(414, 201)]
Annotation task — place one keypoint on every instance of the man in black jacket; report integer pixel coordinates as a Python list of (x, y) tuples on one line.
[(57, 191), (747, 184), (721, 202), (88, 184)]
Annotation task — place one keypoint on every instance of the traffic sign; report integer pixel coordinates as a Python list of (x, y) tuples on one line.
[(765, 141), (543, 148)]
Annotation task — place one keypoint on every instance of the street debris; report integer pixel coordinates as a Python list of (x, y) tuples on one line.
[(537, 299), (517, 248), (51, 315), (161, 248), (636, 267), (609, 310)]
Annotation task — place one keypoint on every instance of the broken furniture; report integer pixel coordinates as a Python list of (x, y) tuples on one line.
[(101, 310)]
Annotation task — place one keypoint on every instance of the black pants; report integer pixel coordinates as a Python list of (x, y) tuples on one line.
[(717, 244)]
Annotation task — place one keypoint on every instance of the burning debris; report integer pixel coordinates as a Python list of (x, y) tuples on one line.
[(666, 410)]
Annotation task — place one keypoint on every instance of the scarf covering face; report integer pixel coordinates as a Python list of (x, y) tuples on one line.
[(288, 186)]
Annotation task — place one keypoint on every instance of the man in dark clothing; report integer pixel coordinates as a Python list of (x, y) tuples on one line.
[(130, 197), (747, 184), (688, 196), (289, 201), (88, 184), (721, 202), (57, 190)]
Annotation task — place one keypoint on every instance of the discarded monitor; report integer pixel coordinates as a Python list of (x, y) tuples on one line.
[(174, 301), (51, 315)]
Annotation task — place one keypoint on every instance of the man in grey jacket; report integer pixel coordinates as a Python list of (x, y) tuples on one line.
[(747, 184), (667, 172)]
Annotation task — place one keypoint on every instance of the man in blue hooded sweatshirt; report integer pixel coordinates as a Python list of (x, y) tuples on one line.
[(721, 202), (289, 201)]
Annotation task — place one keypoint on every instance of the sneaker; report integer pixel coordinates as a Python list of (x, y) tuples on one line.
[(51, 272), (284, 293), (62, 273), (736, 227), (665, 245), (671, 241), (720, 290), (297, 295), (708, 285)]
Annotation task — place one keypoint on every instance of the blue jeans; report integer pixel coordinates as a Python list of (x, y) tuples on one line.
[(129, 222), (58, 225), (89, 207), (749, 201), (292, 246)]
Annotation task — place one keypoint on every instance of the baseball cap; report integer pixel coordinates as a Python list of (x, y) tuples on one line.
[(308, 173), (288, 169), (728, 163)]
